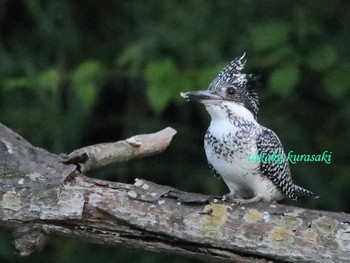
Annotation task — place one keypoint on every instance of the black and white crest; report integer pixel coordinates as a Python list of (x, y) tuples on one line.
[(244, 85), (231, 74)]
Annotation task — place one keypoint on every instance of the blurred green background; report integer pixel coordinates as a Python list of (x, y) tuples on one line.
[(75, 73)]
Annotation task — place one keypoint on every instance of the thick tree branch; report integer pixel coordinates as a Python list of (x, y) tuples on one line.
[(41, 196)]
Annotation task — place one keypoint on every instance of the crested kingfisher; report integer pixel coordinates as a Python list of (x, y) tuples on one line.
[(234, 135)]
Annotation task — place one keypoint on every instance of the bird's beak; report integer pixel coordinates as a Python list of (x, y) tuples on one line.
[(200, 96)]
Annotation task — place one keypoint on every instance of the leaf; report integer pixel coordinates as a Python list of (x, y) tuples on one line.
[(131, 57), (84, 81), (270, 35), (283, 80), (20, 82), (129, 54), (49, 79), (337, 82), (163, 83), (322, 58)]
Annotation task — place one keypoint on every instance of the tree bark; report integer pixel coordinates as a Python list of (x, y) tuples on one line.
[(43, 194)]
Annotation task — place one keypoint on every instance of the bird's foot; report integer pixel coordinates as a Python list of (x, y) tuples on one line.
[(233, 199)]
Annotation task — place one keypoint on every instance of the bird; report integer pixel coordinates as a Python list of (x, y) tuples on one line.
[(234, 135)]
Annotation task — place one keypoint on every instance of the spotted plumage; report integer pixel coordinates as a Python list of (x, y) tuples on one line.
[(234, 134)]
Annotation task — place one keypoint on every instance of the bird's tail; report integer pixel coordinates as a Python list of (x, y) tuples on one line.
[(299, 191)]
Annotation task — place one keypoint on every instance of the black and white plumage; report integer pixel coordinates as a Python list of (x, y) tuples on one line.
[(234, 134)]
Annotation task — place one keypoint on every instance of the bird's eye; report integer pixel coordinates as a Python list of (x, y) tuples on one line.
[(230, 91)]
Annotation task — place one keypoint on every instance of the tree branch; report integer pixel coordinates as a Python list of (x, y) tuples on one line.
[(102, 154), (41, 196)]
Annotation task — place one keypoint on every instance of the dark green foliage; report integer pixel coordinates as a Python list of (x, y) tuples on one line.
[(74, 73)]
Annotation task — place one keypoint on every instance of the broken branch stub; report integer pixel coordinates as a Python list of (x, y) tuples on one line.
[(100, 155)]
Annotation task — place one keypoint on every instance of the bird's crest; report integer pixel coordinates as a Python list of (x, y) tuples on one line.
[(245, 84), (231, 74)]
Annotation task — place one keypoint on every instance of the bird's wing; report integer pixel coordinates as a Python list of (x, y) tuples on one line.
[(274, 164)]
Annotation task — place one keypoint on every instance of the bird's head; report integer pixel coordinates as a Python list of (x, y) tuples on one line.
[(230, 86)]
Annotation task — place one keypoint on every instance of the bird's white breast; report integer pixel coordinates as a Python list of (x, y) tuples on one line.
[(228, 150)]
